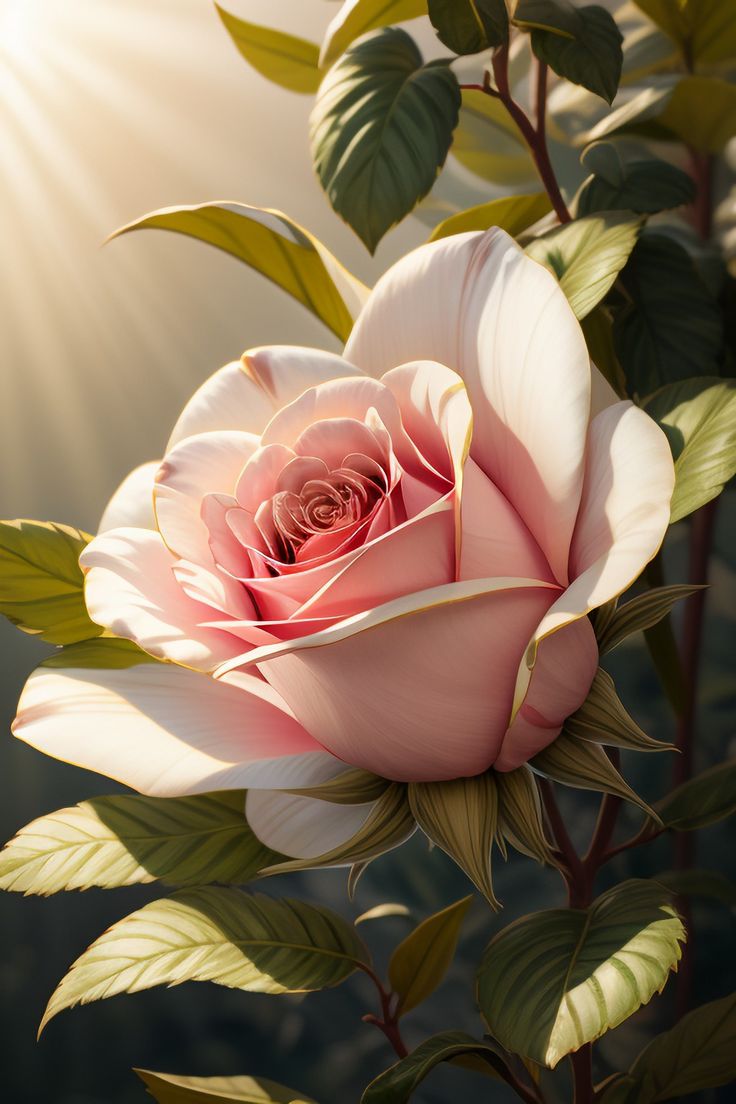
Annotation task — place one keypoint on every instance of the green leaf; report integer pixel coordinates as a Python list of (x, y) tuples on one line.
[(380, 130), (587, 255), (643, 186), (520, 814), (597, 329), (461, 816), (486, 142), (641, 613), (672, 328), (388, 824), (286, 60), (704, 29), (352, 787), (128, 839), (593, 58), (102, 651), (378, 912), (41, 582), (240, 940), (469, 26), (398, 1083), (167, 1088), (699, 418), (602, 719), (699, 882), (584, 766), (558, 16), (420, 961), (698, 1053), (514, 214), (557, 979), (357, 17), (703, 800), (277, 247)]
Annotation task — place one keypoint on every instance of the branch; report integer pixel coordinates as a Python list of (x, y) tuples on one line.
[(387, 1022)]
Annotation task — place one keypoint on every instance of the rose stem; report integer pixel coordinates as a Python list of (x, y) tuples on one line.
[(388, 1021)]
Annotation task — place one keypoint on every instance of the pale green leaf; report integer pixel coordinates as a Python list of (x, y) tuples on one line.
[(584, 766), (640, 613), (469, 26), (167, 1088), (378, 912), (102, 651), (704, 29), (240, 940), (587, 255), (380, 130), (41, 582), (487, 142), (557, 979), (398, 1083), (602, 719), (128, 839), (277, 247), (520, 814), (461, 817), (699, 418), (514, 214), (703, 800), (420, 961), (283, 58), (358, 17), (593, 57)]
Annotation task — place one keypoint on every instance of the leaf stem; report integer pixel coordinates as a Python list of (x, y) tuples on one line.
[(582, 1074), (387, 1022)]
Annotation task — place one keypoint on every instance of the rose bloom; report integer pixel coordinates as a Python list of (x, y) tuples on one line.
[(383, 560)]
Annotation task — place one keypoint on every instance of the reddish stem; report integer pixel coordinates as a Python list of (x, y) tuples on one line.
[(388, 1021)]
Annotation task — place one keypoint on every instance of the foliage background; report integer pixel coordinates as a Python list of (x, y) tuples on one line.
[(111, 108)]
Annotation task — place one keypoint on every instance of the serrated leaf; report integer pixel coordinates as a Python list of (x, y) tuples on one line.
[(699, 882), (420, 961), (389, 823), (398, 1083), (358, 17), (703, 800), (602, 719), (379, 912), (102, 651), (672, 327), (461, 816), (514, 214), (380, 130), (699, 419), (593, 57), (584, 766), (285, 59), (274, 245), (240, 940), (640, 613), (168, 1088), (587, 255), (520, 814), (352, 787), (469, 26), (642, 186), (41, 582), (557, 979), (487, 143), (129, 839)]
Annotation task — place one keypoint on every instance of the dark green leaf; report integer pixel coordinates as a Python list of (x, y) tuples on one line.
[(584, 766), (380, 131), (398, 1083), (705, 799), (167, 1088), (597, 329), (284, 59), (642, 186), (593, 57), (602, 719), (699, 883), (555, 980), (469, 26), (672, 328), (641, 613), (558, 16), (420, 961)]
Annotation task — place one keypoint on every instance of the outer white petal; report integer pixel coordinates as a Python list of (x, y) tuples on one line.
[(156, 727), (132, 503), (300, 826), (476, 303)]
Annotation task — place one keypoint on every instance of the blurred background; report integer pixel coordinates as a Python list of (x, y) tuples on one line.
[(109, 109)]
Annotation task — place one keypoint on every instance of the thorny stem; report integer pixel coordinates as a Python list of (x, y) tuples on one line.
[(388, 1021)]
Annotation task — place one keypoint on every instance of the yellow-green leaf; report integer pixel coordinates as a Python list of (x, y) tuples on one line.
[(167, 1088), (286, 60), (584, 766), (378, 912), (420, 961), (641, 613), (602, 719), (352, 787), (41, 582), (357, 17), (704, 29), (520, 814), (102, 651), (514, 214), (487, 143), (277, 247)]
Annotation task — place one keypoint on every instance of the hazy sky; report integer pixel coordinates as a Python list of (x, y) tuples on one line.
[(111, 108)]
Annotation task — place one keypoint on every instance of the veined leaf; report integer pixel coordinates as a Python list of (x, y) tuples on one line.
[(358, 17), (352, 787), (274, 245), (101, 651), (699, 882), (398, 1083), (167, 1088), (593, 57), (128, 839), (520, 814), (513, 214), (420, 961), (558, 16), (236, 939), (641, 613), (602, 719), (41, 582), (286, 60), (461, 816), (699, 418), (557, 979), (584, 766), (587, 255), (703, 800), (380, 130), (469, 26), (644, 186), (487, 143)]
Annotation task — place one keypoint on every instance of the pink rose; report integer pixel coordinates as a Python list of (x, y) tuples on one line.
[(385, 561)]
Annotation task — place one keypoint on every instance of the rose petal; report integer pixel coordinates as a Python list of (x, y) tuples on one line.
[(132, 503)]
